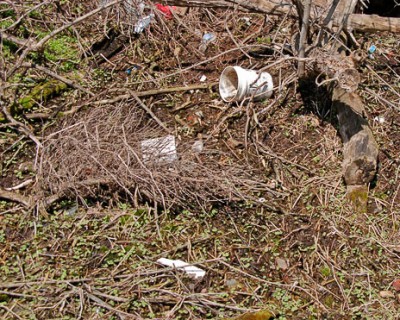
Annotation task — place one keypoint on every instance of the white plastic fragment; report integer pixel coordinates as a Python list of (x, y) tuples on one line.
[(206, 40), (143, 23), (159, 150), (197, 273), (246, 20), (20, 186), (380, 119), (203, 78), (134, 7), (208, 37)]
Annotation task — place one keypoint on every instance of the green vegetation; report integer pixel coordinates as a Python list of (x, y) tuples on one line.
[(284, 243), (61, 50), (40, 94)]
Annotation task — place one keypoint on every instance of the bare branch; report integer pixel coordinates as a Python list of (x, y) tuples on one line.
[(15, 197), (303, 36)]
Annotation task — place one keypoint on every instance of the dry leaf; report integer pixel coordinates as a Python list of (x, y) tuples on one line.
[(396, 285), (386, 294)]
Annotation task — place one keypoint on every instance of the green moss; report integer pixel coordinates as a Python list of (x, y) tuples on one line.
[(4, 24), (259, 315), (35, 14), (358, 196), (325, 271), (62, 50), (6, 51), (40, 93), (329, 301), (7, 47), (4, 297), (262, 40)]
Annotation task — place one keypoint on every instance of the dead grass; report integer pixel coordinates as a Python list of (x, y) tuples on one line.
[(262, 208)]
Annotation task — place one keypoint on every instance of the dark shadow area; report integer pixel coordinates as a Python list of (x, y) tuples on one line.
[(350, 122), (385, 8), (107, 47), (344, 111), (316, 100)]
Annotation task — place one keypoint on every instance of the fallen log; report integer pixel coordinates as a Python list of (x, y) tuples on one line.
[(38, 94), (360, 150), (372, 23), (359, 22)]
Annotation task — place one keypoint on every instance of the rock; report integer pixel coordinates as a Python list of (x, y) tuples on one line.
[(281, 264), (231, 283)]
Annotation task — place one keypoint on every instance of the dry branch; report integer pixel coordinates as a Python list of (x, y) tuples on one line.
[(15, 197), (139, 94), (303, 36), (106, 145)]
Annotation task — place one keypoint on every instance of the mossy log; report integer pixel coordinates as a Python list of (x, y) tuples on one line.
[(39, 94)]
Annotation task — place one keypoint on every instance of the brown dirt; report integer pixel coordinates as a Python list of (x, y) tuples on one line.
[(295, 246)]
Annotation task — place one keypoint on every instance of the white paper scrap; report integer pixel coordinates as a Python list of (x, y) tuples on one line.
[(181, 265), (159, 150)]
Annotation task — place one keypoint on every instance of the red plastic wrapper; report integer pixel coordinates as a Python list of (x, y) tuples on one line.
[(166, 10)]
